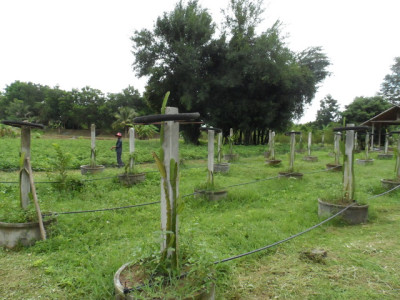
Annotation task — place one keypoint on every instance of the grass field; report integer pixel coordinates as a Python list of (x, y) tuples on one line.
[(84, 251)]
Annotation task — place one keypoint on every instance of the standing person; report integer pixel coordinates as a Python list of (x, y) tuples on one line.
[(118, 149)]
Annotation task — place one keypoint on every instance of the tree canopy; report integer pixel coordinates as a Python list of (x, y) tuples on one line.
[(176, 57), (328, 111), (238, 79), (390, 88), (364, 108), (75, 109)]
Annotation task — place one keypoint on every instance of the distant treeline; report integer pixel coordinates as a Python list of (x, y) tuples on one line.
[(75, 109)]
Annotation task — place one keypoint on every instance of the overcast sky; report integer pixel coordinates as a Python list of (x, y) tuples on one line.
[(74, 43)]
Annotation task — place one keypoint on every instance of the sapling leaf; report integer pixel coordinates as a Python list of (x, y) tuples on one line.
[(171, 241), (160, 166), (342, 147), (181, 207), (22, 160), (164, 104), (397, 165)]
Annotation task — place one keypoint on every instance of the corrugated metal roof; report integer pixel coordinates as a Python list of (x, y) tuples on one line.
[(390, 116)]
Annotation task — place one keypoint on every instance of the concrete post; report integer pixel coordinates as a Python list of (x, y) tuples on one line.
[(219, 146), (355, 141), (269, 141), (131, 147), (337, 147), (372, 137), (231, 140), (398, 157), (25, 188), (93, 145), (379, 136), (292, 151), (309, 143), (272, 150), (210, 154), (386, 143), (170, 146), (348, 166), (366, 145)]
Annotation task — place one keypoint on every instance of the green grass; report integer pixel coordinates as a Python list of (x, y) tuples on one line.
[(83, 251)]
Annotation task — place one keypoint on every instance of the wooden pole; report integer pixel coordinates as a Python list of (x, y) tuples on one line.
[(35, 200), (25, 188)]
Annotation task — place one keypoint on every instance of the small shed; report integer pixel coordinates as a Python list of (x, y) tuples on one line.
[(390, 116)]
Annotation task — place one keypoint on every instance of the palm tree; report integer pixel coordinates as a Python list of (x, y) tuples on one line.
[(124, 118)]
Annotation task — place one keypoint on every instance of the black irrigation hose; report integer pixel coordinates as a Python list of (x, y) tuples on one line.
[(138, 288), (101, 178), (98, 210), (287, 239), (264, 179), (304, 231)]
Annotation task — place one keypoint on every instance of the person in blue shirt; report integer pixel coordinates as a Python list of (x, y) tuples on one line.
[(118, 149)]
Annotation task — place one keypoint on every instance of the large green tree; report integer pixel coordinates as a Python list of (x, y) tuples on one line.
[(175, 56), (128, 97), (390, 88), (30, 94), (75, 109), (328, 111), (364, 108), (240, 79), (262, 83)]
